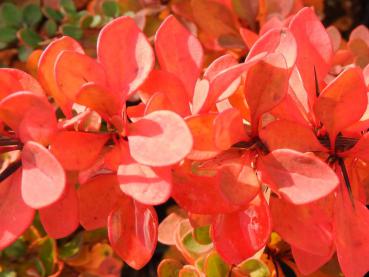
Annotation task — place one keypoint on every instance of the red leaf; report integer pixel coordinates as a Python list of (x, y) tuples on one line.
[(46, 70), (96, 199), (218, 65), (360, 149), (169, 85), (145, 184), (306, 227), (203, 190), (133, 232), (228, 129), (338, 107), (15, 215), (38, 124), (308, 263), (14, 107), (77, 150), (125, 54), (43, 178), (100, 99), (299, 178), (290, 135), (73, 69), (280, 41), (238, 181), (266, 85), (226, 82), (314, 49), (351, 235), (61, 218), (185, 59), (13, 80), (239, 235), (161, 138)]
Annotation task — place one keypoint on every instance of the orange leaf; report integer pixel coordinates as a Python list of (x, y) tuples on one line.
[(100, 99), (46, 74), (73, 69), (229, 129)]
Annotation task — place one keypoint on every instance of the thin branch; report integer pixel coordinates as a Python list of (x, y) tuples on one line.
[(10, 170), (347, 179)]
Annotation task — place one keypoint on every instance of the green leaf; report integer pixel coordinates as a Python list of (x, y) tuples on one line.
[(8, 34), (215, 267), (169, 268), (72, 31), (8, 273), (50, 28), (47, 252), (40, 267), (254, 268), (97, 20), (111, 8), (57, 16), (30, 37), (68, 6), (16, 250), (11, 15), (32, 14), (86, 21), (202, 234), (193, 247), (71, 248)]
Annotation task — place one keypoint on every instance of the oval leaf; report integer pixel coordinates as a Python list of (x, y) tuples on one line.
[(43, 178), (125, 54), (185, 60), (133, 232), (299, 178), (161, 138)]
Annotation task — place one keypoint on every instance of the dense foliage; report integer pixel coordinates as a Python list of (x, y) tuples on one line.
[(259, 134)]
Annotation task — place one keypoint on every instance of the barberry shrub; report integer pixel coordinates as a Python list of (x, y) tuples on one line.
[(277, 143)]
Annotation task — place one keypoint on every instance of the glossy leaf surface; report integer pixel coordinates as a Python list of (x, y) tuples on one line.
[(133, 232)]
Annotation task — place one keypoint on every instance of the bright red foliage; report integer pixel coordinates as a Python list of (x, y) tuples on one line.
[(276, 142)]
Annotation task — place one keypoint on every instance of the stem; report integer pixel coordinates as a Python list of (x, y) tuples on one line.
[(10, 170), (347, 179)]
